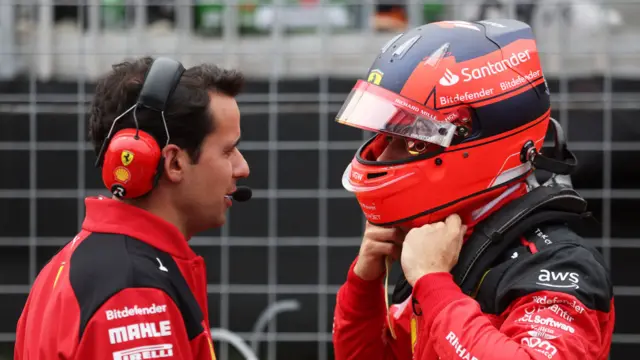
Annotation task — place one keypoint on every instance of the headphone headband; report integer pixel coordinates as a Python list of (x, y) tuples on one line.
[(161, 80)]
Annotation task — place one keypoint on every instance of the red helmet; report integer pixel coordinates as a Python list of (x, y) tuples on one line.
[(471, 103)]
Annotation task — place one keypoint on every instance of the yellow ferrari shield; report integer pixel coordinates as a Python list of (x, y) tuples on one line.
[(126, 157), (375, 76)]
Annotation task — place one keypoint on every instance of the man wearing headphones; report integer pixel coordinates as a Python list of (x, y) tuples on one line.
[(128, 286), (493, 266)]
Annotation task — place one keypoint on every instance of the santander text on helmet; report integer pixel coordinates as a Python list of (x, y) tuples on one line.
[(493, 68)]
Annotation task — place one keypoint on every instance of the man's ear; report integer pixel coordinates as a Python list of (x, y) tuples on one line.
[(175, 162)]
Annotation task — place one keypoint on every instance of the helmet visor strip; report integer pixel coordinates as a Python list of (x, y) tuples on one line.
[(373, 108)]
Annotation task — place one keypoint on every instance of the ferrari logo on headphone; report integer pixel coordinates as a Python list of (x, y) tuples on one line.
[(375, 76), (126, 157)]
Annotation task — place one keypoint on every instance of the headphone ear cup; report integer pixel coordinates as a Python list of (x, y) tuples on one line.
[(131, 164)]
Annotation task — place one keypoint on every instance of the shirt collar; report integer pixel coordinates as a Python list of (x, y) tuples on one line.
[(104, 215)]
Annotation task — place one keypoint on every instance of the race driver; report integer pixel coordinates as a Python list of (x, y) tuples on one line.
[(128, 286), (460, 111)]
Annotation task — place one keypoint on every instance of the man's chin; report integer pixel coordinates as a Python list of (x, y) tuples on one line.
[(219, 221), (212, 223)]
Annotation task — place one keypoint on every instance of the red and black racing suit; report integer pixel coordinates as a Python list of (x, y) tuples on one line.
[(127, 287), (548, 298)]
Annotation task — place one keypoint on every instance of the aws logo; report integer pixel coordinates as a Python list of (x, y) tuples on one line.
[(563, 280)]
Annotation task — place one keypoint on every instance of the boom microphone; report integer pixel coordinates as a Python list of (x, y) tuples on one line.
[(242, 193)]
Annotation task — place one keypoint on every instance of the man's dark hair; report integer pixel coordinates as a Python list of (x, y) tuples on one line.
[(188, 114)]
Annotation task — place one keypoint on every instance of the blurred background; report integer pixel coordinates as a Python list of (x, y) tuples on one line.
[(276, 266)]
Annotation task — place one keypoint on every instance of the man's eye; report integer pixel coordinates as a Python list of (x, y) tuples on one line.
[(416, 147)]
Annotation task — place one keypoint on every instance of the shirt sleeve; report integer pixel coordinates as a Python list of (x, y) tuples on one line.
[(559, 306), (360, 329), (135, 323)]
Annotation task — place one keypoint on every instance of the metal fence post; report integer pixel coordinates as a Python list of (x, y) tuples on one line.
[(7, 40)]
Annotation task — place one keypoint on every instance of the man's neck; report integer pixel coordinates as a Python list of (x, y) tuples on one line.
[(158, 207)]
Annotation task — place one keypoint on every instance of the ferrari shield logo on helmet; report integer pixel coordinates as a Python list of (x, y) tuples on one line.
[(375, 76), (126, 157)]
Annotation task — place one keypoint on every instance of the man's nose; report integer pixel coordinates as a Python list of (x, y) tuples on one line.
[(242, 168)]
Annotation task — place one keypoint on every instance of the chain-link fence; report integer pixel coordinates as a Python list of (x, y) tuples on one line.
[(274, 269)]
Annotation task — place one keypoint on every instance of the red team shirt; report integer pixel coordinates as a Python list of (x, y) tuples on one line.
[(550, 298), (127, 287)]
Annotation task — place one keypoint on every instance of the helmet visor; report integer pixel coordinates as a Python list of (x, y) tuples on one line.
[(373, 108)]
